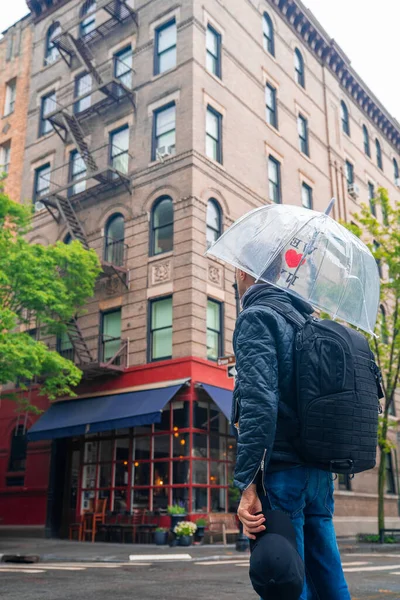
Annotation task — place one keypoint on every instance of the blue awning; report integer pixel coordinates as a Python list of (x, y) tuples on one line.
[(221, 397), (92, 415)]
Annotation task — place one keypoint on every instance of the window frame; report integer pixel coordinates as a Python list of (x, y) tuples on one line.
[(309, 190), (150, 330), (299, 68), (88, 98), (396, 172), (38, 170), (372, 205), (116, 60), (42, 119), (71, 174), (220, 333), (49, 59), (156, 112), (217, 231), (10, 97), (219, 116), (102, 342), (367, 145), (156, 203), (271, 111), (345, 118), (120, 254), (378, 151), (268, 41), (157, 54), (277, 163), (86, 14), (5, 156), (349, 173), (111, 156), (218, 57), (303, 139)]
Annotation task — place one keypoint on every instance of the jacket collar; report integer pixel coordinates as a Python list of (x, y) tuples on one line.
[(260, 292)]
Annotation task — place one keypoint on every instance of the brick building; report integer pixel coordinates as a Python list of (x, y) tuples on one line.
[(152, 127)]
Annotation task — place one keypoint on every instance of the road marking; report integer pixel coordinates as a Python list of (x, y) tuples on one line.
[(141, 557), (207, 563), (355, 564), (372, 555), (370, 569), (395, 573), (3, 570)]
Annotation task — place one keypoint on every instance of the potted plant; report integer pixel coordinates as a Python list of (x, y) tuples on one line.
[(184, 531), (177, 513), (161, 536), (201, 524)]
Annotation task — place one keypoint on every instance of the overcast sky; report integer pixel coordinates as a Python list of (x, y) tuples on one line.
[(367, 31)]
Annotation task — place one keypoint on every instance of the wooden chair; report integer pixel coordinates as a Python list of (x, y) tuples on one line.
[(92, 519), (76, 528), (222, 524)]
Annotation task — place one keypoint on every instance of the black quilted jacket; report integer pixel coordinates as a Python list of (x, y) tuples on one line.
[(263, 343)]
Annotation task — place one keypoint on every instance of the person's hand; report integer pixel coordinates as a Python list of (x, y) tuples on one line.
[(249, 505)]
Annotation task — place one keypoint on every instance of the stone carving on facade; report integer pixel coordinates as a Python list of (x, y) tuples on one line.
[(161, 272), (215, 275)]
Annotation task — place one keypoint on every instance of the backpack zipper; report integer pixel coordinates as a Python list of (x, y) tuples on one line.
[(260, 467)]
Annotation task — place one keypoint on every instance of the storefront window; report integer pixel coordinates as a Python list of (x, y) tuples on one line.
[(180, 472), (180, 496), (200, 415), (141, 448), (160, 498), (181, 414), (218, 500), (161, 473), (105, 475), (200, 471), (161, 446), (199, 445), (121, 474), (141, 473), (180, 445), (165, 424), (199, 496)]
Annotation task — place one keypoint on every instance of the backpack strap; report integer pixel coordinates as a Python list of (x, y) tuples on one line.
[(288, 312)]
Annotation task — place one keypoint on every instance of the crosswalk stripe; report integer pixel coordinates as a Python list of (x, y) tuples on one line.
[(158, 557), (207, 563), (7, 570), (370, 569), (355, 564)]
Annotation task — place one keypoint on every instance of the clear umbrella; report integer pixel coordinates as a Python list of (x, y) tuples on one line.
[(307, 253)]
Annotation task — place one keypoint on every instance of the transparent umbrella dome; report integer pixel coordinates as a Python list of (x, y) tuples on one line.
[(307, 253)]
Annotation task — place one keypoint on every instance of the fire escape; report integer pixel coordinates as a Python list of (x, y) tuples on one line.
[(98, 173)]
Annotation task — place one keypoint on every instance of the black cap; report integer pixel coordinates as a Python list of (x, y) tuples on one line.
[(276, 569)]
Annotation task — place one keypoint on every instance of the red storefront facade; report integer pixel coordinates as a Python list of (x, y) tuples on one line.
[(187, 458)]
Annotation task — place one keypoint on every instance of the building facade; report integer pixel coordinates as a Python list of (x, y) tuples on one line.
[(152, 127)]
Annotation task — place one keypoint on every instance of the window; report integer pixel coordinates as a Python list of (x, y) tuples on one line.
[(10, 46), (164, 132), (11, 92), (119, 149), (5, 153), (64, 345), (162, 226), (48, 105), (274, 177), (214, 135), (83, 88), (77, 171), (165, 48), (390, 483), (88, 24), (19, 444), (367, 149), (214, 329), (396, 172), (378, 155), (213, 222), (302, 127), (299, 68), (345, 118), (268, 34), (371, 197), (42, 185), (51, 52), (213, 47), (306, 195), (114, 240), (111, 334), (160, 329), (376, 247), (123, 67), (270, 104), (383, 324), (349, 173)]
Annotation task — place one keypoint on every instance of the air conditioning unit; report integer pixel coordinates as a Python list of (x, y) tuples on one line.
[(164, 152), (353, 190), (397, 182), (39, 206)]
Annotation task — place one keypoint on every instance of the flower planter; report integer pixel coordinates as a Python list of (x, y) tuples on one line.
[(200, 533), (185, 540), (175, 519), (161, 538)]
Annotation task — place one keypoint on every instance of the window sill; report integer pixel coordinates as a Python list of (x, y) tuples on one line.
[(45, 67), (216, 163), (161, 256), (274, 129), (270, 56), (159, 75), (308, 158), (8, 115), (154, 163), (215, 77)]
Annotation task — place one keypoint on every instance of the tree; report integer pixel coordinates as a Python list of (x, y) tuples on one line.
[(43, 287), (383, 239)]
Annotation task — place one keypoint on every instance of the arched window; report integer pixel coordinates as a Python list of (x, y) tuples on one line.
[(68, 239), (345, 118), (88, 11), (162, 226), (384, 330), (378, 155), (299, 68), (51, 52), (114, 240), (396, 172), (268, 34), (214, 228), (367, 148), (18, 447)]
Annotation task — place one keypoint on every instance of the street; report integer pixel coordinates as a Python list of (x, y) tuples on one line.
[(370, 576)]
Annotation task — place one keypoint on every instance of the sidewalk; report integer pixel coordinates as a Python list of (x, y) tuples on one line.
[(72, 551)]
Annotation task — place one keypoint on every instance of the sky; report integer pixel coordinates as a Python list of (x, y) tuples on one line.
[(366, 30)]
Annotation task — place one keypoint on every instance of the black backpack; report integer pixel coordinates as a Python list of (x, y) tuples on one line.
[(338, 395)]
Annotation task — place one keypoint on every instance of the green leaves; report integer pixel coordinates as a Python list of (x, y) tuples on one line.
[(41, 287)]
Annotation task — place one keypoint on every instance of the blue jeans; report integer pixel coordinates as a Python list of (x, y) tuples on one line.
[(307, 496)]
